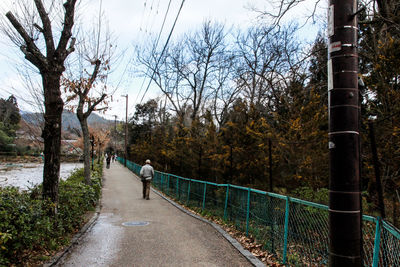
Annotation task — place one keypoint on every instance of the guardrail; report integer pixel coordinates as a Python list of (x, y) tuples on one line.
[(295, 230)]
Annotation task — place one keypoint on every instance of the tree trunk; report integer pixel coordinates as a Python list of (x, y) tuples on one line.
[(394, 211), (86, 147), (52, 135), (199, 162), (231, 164)]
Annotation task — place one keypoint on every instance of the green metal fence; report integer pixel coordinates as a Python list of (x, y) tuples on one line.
[(296, 231)]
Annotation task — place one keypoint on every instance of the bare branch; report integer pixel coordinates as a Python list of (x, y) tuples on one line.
[(66, 33), (31, 51), (92, 107), (95, 72), (71, 47), (47, 31), (38, 27)]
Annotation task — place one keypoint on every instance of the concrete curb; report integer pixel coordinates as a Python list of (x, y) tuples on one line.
[(247, 254)]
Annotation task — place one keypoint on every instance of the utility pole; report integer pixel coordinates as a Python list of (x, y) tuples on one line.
[(115, 132), (126, 130), (345, 248)]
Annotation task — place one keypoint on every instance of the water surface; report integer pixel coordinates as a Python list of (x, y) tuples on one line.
[(26, 175)]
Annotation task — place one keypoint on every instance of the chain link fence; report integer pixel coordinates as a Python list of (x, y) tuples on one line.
[(296, 231)]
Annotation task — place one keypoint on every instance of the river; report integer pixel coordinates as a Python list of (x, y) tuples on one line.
[(27, 175)]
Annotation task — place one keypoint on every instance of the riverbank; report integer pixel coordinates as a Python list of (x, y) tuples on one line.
[(36, 158)]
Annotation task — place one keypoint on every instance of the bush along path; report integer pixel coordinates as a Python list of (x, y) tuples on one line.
[(28, 236)]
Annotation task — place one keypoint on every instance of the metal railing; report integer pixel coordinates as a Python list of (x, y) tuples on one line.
[(296, 231)]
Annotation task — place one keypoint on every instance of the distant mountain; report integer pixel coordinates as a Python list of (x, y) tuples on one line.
[(33, 118), (69, 120)]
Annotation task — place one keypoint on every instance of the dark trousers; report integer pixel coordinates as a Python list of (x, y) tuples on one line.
[(146, 188)]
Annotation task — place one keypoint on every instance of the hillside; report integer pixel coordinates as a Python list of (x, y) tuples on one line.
[(69, 120)]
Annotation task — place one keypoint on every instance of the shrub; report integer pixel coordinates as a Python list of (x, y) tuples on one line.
[(25, 226), (307, 193)]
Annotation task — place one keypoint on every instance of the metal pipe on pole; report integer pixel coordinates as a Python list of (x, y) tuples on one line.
[(345, 248)]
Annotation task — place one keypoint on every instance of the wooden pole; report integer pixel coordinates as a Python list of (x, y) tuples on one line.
[(344, 185)]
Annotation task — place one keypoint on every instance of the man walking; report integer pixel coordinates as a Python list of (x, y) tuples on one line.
[(146, 174)]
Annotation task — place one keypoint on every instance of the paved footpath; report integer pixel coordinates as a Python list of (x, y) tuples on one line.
[(172, 237)]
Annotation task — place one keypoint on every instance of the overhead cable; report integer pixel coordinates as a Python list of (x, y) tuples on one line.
[(162, 52)]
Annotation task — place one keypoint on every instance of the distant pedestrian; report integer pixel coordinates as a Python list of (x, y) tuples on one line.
[(146, 175), (108, 160), (113, 157)]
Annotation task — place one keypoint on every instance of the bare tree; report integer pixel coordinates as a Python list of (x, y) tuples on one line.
[(165, 76), (201, 64), (37, 43), (384, 12), (225, 90), (266, 57), (187, 74), (279, 9), (94, 49)]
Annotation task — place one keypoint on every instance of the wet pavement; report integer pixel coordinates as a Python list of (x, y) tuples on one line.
[(131, 231)]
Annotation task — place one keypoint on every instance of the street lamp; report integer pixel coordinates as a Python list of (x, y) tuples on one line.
[(115, 132)]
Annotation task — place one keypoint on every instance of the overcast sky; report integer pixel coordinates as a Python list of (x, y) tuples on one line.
[(132, 22)]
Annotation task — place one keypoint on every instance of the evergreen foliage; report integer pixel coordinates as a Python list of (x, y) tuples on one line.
[(9, 120)]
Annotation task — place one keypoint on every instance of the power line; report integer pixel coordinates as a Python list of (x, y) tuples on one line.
[(144, 11), (162, 52), (150, 24), (155, 46)]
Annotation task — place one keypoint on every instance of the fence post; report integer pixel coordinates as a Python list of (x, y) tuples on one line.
[(167, 184), (248, 211), (177, 188), (285, 238), (188, 194), (375, 259), (226, 202), (161, 181), (204, 195)]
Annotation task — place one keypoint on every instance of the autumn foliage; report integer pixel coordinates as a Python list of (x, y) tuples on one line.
[(262, 120)]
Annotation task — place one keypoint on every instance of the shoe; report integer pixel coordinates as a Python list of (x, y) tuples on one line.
[(148, 198)]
